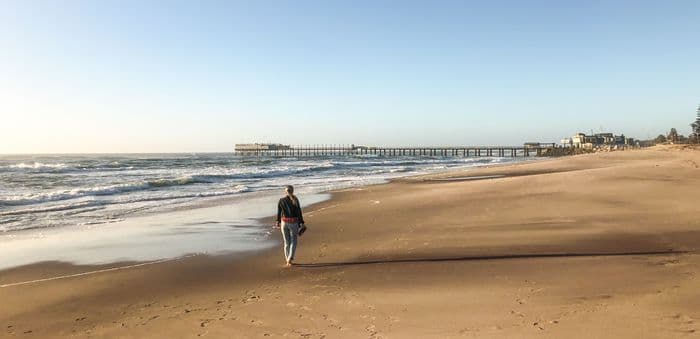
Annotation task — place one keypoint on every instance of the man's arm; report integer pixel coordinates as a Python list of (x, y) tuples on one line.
[(279, 212), (301, 216)]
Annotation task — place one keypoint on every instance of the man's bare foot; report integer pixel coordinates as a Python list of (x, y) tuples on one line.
[(288, 264)]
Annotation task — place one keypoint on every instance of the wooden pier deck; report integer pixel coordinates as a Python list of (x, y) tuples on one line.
[(454, 151)]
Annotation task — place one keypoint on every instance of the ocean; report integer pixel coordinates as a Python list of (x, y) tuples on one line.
[(51, 206)]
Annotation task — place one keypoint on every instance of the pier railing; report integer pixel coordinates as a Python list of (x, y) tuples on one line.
[(455, 151)]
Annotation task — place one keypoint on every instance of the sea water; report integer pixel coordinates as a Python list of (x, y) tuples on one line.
[(93, 209)]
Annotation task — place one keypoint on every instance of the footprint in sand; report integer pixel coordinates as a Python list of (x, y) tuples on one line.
[(685, 322), (190, 310), (517, 314), (205, 322), (307, 334), (372, 331), (250, 297), (256, 322), (333, 323), (366, 317), (224, 316)]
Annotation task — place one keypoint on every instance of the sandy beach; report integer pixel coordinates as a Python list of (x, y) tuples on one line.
[(592, 246)]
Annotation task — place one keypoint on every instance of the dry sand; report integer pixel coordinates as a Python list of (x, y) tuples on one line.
[(592, 246)]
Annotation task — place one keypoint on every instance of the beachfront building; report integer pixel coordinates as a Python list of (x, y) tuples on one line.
[(581, 140)]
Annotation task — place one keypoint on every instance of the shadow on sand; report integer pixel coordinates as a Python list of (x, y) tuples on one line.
[(489, 257)]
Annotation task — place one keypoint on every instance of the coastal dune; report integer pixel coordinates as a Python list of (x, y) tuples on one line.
[(592, 246)]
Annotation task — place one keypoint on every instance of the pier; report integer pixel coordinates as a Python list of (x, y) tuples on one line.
[(277, 150)]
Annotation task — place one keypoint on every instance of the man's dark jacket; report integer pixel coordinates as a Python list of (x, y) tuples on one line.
[(287, 209)]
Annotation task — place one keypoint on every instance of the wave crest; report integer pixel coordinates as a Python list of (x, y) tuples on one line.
[(37, 166), (99, 191)]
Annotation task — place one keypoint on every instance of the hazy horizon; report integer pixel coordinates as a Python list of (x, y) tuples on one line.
[(178, 77)]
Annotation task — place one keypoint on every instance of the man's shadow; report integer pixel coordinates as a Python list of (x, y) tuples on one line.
[(489, 257)]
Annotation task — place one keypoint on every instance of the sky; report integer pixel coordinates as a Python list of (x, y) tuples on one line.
[(200, 76)]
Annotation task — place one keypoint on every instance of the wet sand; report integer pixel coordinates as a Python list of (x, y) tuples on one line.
[(593, 246)]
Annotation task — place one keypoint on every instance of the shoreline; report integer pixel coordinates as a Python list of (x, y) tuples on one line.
[(69, 269), (190, 184), (424, 273), (261, 222)]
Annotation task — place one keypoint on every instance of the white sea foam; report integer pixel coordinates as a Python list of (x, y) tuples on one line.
[(38, 165), (53, 208), (127, 200), (59, 190)]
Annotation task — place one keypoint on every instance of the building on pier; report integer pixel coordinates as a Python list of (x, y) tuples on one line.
[(261, 147)]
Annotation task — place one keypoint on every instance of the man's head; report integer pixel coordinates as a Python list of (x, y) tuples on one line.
[(289, 189)]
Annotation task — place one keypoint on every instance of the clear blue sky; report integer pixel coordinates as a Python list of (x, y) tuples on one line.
[(151, 76)]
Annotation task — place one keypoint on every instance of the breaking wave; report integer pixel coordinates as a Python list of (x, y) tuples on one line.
[(47, 191)]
